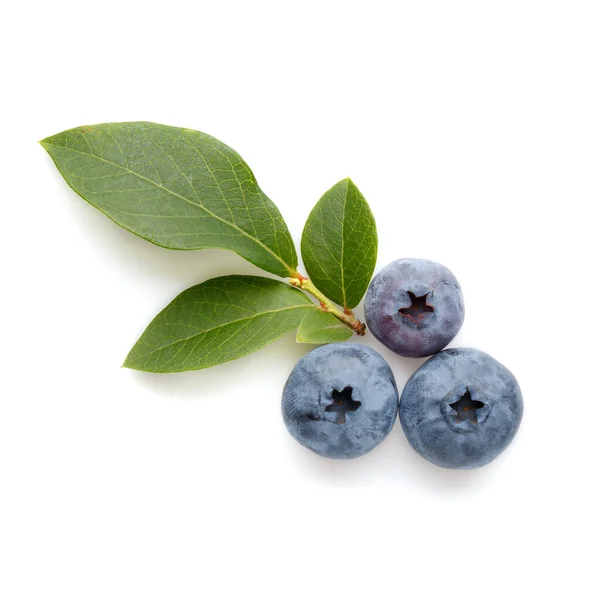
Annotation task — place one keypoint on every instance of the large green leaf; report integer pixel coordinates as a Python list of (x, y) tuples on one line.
[(339, 244), (178, 188), (217, 321), (318, 327)]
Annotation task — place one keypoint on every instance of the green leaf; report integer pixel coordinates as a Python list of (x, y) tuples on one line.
[(217, 321), (177, 188), (318, 327), (339, 244)]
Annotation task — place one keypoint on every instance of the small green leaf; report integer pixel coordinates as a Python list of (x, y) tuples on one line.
[(319, 327), (217, 321), (339, 244), (178, 188)]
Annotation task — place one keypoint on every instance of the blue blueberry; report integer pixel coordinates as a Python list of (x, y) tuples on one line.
[(414, 307), (461, 409), (340, 400)]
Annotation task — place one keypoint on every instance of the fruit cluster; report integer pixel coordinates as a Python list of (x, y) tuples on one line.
[(459, 410)]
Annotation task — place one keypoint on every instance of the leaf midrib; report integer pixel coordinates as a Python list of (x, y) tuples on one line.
[(158, 185), (265, 312), (342, 251)]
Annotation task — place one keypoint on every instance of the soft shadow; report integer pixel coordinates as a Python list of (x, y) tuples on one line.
[(139, 258), (360, 471), (436, 479), (206, 383), (393, 462)]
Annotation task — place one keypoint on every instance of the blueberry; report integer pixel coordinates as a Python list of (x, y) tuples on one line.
[(340, 400), (414, 307), (461, 409)]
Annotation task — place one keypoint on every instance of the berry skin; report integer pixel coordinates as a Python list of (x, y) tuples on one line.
[(461, 409), (340, 400), (414, 307)]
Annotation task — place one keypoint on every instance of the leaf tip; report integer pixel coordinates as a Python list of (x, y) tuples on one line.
[(350, 183), (131, 366), (128, 363)]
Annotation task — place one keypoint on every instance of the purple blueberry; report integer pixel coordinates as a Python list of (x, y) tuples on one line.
[(340, 400), (461, 409), (414, 307)]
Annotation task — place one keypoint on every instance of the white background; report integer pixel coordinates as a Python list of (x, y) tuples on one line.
[(473, 130)]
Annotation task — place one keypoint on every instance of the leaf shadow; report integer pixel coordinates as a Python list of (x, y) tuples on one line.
[(138, 258), (206, 383)]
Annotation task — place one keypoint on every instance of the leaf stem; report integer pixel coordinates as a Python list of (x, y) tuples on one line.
[(346, 316)]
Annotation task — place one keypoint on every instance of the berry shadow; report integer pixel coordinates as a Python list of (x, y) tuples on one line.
[(393, 463)]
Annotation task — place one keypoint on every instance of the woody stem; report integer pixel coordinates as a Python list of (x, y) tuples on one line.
[(347, 317)]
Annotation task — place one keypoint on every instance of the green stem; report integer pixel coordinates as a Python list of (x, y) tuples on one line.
[(346, 316)]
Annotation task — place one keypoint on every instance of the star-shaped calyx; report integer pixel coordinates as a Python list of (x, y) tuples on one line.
[(466, 408), (342, 404), (418, 307)]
